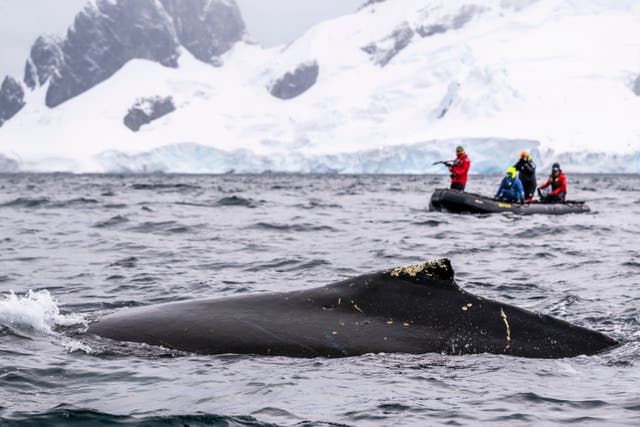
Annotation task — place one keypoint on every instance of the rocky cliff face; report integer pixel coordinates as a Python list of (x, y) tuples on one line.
[(44, 61), (384, 50), (109, 33), (206, 28), (451, 22), (11, 99), (104, 37)]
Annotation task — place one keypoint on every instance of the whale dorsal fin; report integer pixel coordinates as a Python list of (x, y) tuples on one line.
[(438, 269)]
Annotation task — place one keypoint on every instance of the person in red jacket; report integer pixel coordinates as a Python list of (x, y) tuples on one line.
[(558, 182), (460, 170)]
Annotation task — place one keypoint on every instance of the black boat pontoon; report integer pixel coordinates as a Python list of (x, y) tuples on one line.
[(453, 201)]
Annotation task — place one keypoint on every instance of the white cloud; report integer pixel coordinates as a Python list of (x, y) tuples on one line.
[(273, 22)]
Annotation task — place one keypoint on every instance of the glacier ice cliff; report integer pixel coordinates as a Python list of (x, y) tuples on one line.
[(488, 156)]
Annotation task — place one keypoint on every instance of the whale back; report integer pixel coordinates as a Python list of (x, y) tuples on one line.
[(426, 297), (414, 309), (420, 293)]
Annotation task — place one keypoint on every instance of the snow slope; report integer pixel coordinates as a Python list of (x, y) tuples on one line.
[(400, 84)]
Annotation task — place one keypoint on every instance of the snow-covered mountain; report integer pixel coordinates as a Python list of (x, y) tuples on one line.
[(178, 86)]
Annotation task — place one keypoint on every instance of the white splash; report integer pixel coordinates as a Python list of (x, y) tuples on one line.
[(36, 311), (71, 346)]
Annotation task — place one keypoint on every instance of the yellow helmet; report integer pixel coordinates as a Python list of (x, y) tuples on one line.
[(511, 171)]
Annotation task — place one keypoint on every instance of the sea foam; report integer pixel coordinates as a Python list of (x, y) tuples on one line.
[(36, 311)]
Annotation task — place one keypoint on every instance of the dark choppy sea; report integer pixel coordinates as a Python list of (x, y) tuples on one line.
[(74, 247)]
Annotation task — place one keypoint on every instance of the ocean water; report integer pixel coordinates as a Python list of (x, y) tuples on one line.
[(75, 247)]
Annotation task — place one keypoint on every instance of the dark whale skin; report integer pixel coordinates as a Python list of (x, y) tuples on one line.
[(417, 309)]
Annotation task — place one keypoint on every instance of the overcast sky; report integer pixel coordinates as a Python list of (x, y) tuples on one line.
[(270, 22)]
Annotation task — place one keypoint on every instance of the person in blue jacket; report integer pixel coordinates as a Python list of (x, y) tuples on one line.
[(511, 189)]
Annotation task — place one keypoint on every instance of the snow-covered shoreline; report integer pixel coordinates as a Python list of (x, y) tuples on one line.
[(388, 89)]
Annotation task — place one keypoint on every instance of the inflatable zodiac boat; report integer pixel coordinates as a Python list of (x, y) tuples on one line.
[(453, 201)]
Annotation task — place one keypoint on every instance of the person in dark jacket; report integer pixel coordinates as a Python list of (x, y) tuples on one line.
[(510, 188), (558, 182), (460, 170), (527, 174)]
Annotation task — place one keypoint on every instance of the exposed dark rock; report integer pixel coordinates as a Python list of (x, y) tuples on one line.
[(636, 86), (385, 50), (465, 15), (429, 30), (454, 22), (296, 83), (109, 33), (146, 110), (11, 99), (206, 28), (370, 2), (44, 61)]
